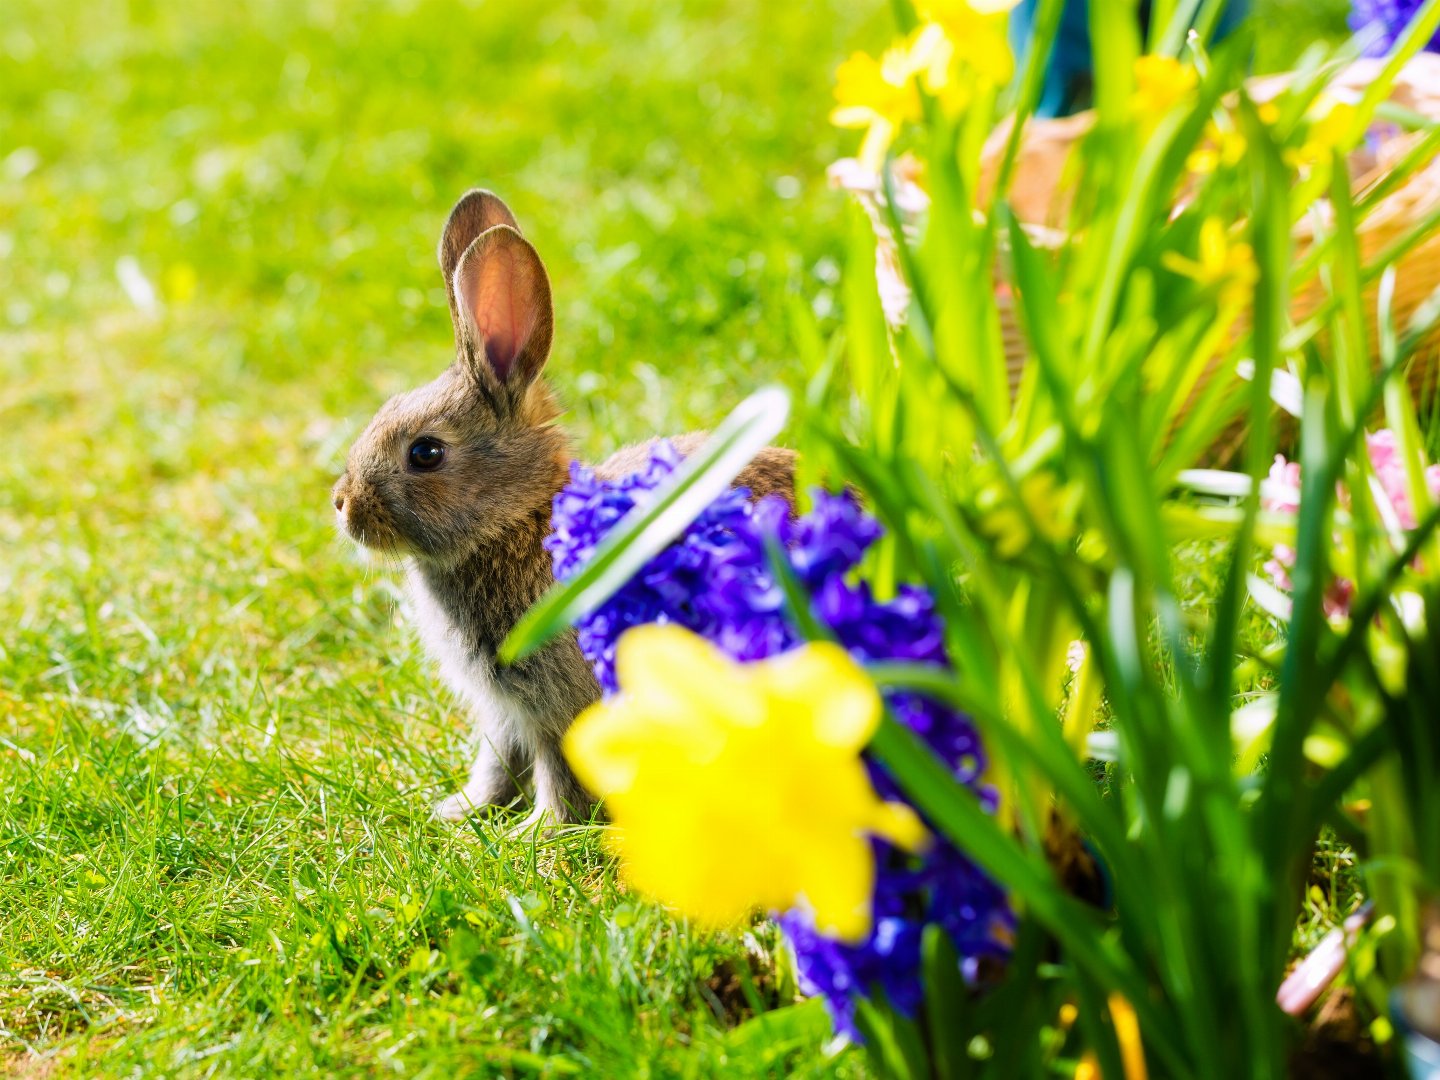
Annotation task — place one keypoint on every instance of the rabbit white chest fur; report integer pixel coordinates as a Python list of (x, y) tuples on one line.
[(469, 676), (504, 727)]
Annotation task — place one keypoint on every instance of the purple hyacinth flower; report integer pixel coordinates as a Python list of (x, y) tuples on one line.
[(715, 580), (1386, 20)]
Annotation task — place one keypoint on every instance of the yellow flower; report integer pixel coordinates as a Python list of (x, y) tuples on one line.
[(1051, 506), (979, 31), (867, 90), (1161, 83), (878, 95), (1331, 128), (734, 787), (1127, 1034), (961, 45), (1224, 265), (1221, 147)]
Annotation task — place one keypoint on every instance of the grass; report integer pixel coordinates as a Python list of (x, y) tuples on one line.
[(218, 744)]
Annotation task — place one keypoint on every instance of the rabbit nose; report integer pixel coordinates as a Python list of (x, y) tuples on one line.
[(339, 501), (339, 492)]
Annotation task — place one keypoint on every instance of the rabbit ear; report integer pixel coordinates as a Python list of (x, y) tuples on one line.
[(476, 211), (504, 316)]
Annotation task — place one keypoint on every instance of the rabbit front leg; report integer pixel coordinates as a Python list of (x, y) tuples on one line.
[(500, 763), (560, 799)]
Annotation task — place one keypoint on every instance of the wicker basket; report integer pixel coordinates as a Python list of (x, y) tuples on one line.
[(1038, 199)]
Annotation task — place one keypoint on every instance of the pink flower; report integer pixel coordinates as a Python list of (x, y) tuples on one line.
[(1390, 471), (1283, 475), (1282, 495), (1338, 598), (1278, 567)]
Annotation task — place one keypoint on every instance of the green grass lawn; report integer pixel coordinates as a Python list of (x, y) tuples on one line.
[(218, 743)]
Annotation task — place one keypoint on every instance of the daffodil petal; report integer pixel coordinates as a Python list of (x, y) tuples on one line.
[(852, 116), (822, 680), (668, 672), (898, 823), (876, 142), (595, 748), (839, 887), (741, 786)]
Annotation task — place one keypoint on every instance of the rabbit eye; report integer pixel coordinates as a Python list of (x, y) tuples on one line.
[(426, 454)]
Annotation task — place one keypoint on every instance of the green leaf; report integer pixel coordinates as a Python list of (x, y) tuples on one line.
[(1279, 819), (956, 812), (770, 1036), (892, 1042), (946, 1000), (649, 529)]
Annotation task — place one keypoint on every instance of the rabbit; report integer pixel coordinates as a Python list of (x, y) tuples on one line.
[(457, 479)]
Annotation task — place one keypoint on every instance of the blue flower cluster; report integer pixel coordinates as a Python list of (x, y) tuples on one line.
[(1388, 19), (716, 580)]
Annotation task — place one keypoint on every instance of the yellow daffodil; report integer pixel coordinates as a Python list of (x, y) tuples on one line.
[(1224, 145), (878, 95), (734, 787), (867, 89), (1224, 264), (1127, 1034), (1221, 147), (1161, 83), (979, 31), (1051, 506), (1331, 127), (960, 46)]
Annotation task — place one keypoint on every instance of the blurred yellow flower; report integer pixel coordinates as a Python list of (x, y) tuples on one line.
[(734, 787), (960, 46), (1331, 128), (1127, 1034), (1051, 506), (1226, 265), (1161, 83), (878, 95), (979, 30), (867, 90), (1226, 145), (1221, 146)]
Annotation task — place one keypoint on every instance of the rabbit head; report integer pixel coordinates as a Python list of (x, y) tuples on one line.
[(461, 462)]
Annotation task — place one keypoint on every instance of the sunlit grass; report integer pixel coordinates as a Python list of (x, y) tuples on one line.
[(218, 745)]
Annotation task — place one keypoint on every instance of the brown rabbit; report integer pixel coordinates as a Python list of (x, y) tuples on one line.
[(457, 479)]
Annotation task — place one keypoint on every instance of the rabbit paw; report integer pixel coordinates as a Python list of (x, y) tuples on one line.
[(455, 807), (466, 801)]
